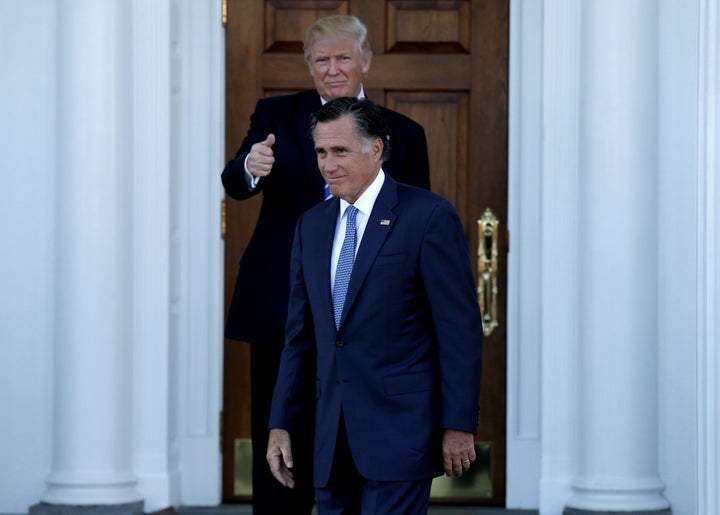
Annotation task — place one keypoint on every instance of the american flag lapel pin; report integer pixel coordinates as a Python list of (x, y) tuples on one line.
[(384, 221)]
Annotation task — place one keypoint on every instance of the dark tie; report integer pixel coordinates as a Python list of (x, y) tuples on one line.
[(345, 264)]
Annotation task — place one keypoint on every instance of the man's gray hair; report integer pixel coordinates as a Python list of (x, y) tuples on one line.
[(370, 123)]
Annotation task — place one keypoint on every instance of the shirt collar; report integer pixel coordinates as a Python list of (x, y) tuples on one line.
[(366, 201), (360, 96)]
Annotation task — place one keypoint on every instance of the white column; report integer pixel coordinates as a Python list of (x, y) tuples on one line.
[(92, 430), (154, 452), (617, 311)]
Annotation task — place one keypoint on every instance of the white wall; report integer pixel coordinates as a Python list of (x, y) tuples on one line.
[(27, 179)]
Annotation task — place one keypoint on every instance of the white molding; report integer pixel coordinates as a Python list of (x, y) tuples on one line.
[(708, 252), (523, 335), (197, 149)]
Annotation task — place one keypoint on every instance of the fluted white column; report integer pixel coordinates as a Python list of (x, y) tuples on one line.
[(92, 437), (559, 233), (617, 312)]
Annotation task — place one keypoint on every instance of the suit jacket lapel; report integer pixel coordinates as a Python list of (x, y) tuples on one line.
[(380, 224), (326, 235)]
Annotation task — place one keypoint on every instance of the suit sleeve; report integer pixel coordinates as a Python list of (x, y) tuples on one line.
[(233, 176), (447, 275), (294, 393)]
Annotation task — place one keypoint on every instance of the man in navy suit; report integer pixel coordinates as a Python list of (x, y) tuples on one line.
[(277, 159), (393, 365)]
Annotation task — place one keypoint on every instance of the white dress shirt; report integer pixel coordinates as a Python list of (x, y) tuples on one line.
[(364, 205)]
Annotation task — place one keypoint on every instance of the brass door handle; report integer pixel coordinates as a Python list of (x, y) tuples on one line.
[(487, 264)]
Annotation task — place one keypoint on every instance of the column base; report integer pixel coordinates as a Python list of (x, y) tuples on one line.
[(576, 511), (134, 508)]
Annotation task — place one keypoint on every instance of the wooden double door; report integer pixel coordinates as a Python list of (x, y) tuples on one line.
[(444, 63)]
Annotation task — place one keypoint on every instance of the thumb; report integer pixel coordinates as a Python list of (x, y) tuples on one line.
[(287, 457), (270, 140)]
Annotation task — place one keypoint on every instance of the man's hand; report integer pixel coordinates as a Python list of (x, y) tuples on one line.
[(458, 451), (279, 456), (261, 158)]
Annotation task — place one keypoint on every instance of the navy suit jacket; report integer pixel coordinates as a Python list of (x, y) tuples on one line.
[(405, 363), (258, 309)]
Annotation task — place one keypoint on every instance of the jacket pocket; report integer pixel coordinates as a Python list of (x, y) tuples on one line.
[(389, 259), (409, 383)]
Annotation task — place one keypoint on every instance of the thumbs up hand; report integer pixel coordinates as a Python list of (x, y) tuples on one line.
[(261, 157)]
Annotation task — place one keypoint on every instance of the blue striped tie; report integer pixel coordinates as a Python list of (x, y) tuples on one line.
[(327, 191), (345, 264)]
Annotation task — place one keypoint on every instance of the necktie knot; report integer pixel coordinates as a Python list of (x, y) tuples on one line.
[(351, 213)]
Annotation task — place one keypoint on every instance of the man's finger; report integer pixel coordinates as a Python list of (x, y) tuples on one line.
[(279, 457), (280, 471)]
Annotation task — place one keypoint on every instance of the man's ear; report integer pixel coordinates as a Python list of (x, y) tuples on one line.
[(377, 148), (366, 65)]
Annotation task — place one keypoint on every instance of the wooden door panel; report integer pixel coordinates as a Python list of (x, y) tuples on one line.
[(413, 25), (444, 118), (286, 20), (443, 63)]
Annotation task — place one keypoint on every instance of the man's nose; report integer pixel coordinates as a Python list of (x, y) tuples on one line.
[(329, 164), (333, 67)]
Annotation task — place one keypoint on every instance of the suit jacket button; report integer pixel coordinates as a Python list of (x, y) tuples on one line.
[(339, 343)]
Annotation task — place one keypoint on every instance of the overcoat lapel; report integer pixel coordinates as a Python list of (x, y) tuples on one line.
[(380, 223), (310, 103)]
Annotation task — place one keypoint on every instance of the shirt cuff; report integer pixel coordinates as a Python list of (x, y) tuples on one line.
[(251, 180)]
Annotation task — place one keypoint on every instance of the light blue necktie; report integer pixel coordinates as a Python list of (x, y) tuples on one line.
[(345, 264)]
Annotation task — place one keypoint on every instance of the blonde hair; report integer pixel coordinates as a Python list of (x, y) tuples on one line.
[(337, 26)]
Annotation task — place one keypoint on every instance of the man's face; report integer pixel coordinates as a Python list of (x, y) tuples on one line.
[(337, 68), (344, 166)]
